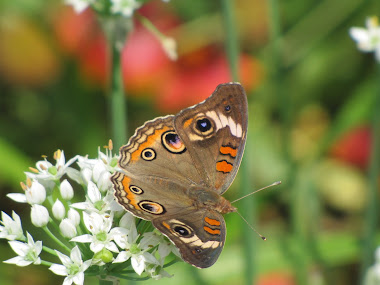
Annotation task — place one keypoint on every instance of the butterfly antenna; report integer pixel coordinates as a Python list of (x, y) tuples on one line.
[(262, 237), (273, 184)]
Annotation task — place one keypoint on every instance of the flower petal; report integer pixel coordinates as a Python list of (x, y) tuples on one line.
[(18, 260), (19, 247), (78, 279), (59, 269), (112, 247), (122, 257), (138, 264), (66, 261), (18, 197), (93, 192), (83, 238), (76, 256)]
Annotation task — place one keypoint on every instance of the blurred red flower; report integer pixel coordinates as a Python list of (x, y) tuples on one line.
[(276, 278), (354, 147), (146, 68)]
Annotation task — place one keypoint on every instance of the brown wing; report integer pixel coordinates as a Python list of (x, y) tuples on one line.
[(155, 150), (214, 133), (199, 235)]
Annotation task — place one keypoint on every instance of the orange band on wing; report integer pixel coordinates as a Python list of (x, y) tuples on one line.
[(211, 231), (166, 225), (212, 222), (228, 150), (151, 140), (130, 196), (187, 123), (224, 166)]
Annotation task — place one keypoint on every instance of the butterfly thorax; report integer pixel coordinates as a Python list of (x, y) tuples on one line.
[(203, 198)]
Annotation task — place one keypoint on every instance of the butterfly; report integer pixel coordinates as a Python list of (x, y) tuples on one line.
[(174, 170)]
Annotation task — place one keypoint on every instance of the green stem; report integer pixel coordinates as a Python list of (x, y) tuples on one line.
[(49, 250), (53, 237), (118, 101), (297, 219), (171, 262), (106, 282), (150, 26), (46, 263), (121, 276), (232, 46), (372, 217), (247, 208)]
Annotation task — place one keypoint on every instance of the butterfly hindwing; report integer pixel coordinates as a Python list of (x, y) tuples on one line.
[(199, 235)]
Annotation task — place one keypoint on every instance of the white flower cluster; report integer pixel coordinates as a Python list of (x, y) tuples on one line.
[(368, 39), (114, 239), (125, 8), (373, 274)]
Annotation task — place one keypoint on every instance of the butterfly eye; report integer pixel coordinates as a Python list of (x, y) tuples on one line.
[(204, 126), (182, 231), (136, 190), (172, 142), (152, 207), (148, 154)]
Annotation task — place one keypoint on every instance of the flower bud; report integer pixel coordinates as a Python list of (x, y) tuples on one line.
[(86, 174), (39, 215), (104, 255), (36, 194), (67, 228), (98, 170), (66, 190), (74, 217), (104, 182), (58, 210)]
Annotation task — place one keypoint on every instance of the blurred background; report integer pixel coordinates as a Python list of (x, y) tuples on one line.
[(311, 97)]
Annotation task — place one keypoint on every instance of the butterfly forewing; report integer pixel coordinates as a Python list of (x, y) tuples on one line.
[(215, 132)]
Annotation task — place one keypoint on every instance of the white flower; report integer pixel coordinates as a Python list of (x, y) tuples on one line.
[(165, 247), (368, 40), (124, 7), (39, 215), (74, 217), (156, 271), (102, 235), (137, 252), (102, 176), (140, 258), (58, 210), (109, 160), (95, 202), (11, 229), (47, 171), (28, 253), (79, 5), (35, 193), (73, 267), (96, 169), (67, 191), (67, 228)]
